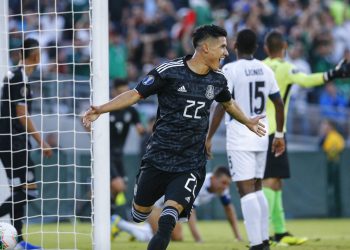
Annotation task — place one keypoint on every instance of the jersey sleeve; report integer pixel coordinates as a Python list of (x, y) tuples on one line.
[(225, 94), (225, 198), (305, 80), (150, 84)]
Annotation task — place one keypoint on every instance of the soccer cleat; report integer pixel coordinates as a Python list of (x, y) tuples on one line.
[(115, 230), (289, 239), (23, 245), (257, 247)]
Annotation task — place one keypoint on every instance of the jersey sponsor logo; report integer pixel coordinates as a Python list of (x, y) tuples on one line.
[(182, 89), (210, 92), (148, 80)]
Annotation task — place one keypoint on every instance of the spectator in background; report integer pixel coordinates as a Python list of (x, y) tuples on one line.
[(332, 143), (118, 55), (333, 103)]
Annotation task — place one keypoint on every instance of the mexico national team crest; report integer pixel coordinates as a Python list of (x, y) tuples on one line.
[(210, 92)]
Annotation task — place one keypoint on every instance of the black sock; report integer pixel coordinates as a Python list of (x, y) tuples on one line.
[(166, 224)]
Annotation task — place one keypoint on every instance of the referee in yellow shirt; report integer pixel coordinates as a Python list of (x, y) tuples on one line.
[(277, 168)]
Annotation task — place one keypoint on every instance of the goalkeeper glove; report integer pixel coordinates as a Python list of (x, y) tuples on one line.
[(342, 70)]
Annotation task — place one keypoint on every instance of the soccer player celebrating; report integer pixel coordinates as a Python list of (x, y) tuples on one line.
[(251, 83), (15, 128), (277, 168), (175, 159)]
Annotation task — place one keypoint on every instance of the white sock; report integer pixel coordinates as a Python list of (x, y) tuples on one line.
[(264, 206), (252, 218), (140, 232)]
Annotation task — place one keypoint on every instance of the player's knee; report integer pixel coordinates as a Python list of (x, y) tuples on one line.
[(138, 215)]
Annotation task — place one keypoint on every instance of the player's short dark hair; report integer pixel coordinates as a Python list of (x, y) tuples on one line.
[(29, 46), (274, 41), (221, 170), (246, 41), (205, 31), (119, 82)]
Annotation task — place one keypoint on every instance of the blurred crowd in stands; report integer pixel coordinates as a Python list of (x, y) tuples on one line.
[(144, 33)]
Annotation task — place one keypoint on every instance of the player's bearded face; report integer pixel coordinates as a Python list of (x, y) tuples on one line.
[(217, 52)]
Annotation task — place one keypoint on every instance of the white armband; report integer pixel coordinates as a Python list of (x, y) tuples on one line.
[(279, 134)]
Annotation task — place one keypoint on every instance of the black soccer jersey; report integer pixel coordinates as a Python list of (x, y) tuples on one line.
[(120, 122), (184, 99), (16, 91)]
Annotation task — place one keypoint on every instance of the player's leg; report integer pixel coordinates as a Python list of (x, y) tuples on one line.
[(149, 187), (118, 184), (242, 167), (139, 232), (19, 170), (180, 195), (277, 168), (177, 234), (259, 174)]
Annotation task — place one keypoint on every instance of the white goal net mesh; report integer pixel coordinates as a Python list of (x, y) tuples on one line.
[(59, 214)]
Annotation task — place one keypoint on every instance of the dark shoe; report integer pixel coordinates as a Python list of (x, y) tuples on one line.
[(257, 247)]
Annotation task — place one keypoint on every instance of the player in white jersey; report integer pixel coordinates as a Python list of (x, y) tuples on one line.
[(251, 83)]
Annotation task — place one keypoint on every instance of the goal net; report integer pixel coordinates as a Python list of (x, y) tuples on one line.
[(61, 214)]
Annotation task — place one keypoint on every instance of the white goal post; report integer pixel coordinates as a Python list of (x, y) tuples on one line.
[(101, 126), (72, 209)]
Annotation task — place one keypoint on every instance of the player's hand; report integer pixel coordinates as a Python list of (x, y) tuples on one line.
[(91, 115), (342, 70), (47, 150), (278, 146), (256, 126), (208, 144)]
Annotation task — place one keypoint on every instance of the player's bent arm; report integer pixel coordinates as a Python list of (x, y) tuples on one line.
[(192, 223), (232, 218), (121, 101), (218, 114), (27, 123), (253, 124), (233, 109)]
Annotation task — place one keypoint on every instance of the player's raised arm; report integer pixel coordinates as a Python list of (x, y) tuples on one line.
[(121, 101), (253, 124)]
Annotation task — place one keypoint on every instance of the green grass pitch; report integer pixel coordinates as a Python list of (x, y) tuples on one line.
[(323, 234)]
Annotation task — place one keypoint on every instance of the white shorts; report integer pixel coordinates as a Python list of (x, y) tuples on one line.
[(246, 165)]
